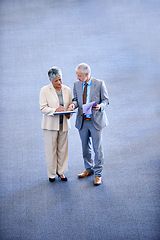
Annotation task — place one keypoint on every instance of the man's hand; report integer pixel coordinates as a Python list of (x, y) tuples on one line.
[(71, 107), (97, 107), (60, 109)]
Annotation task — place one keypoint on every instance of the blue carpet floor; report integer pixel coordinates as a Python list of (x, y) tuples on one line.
[(120, 41)]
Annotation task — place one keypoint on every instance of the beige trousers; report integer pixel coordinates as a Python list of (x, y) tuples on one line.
[(56, 148)]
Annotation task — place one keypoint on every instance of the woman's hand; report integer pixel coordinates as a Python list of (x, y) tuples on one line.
[(60, 109), (68, 115)]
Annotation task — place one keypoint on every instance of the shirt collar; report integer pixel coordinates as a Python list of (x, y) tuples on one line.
[(89, 82)]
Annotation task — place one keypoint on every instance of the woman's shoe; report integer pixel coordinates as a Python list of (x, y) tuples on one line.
[(51, 179), (62, 177)]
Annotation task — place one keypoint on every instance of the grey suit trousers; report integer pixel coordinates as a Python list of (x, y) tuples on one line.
[(88, 133)]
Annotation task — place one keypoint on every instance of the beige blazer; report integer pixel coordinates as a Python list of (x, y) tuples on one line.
[(49, 102)]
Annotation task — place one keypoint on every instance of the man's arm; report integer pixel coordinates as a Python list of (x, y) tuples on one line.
[(74, 103), (104, 96)]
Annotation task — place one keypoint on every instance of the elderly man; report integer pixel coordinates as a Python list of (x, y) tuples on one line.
[(88, 89)]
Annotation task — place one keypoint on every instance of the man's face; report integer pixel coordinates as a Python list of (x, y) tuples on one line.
[(57, 82), (81, 77)]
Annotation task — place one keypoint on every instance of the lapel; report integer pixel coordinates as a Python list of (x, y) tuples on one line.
[(92, 89), (64, 95), (79, 92), (53, 91)]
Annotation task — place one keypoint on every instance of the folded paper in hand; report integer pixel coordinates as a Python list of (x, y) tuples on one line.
[(87, 108)]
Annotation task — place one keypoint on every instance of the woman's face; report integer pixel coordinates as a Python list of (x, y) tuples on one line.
[(57, 82)]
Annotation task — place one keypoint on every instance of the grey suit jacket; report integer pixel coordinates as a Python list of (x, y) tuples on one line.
[(98, 93)]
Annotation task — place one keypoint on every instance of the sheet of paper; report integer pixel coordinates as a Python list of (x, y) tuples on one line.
[(87, 108), (57, 113)]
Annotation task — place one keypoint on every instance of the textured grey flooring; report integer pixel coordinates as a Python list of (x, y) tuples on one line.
[(120, 41)]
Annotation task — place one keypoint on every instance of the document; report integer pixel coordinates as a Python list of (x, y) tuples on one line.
[(57, 113), (87, 108)]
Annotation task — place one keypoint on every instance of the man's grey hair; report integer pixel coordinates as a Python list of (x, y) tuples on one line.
[(54, 72), (84, 68)]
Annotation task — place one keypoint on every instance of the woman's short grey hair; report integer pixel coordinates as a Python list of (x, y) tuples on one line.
[(54, 72), (84, 68)]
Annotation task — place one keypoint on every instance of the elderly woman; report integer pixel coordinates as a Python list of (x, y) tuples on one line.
[(55, 97)]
